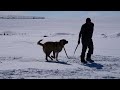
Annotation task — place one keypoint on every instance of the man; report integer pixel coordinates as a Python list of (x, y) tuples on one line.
[(86, 34)]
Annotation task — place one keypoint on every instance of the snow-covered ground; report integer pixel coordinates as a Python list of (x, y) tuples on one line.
[(22, 58)]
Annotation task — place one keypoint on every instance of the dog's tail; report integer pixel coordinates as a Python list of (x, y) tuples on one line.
[(39, 42)]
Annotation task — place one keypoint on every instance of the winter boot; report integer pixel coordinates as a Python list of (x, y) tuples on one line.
[(83, 60), (89, 58)]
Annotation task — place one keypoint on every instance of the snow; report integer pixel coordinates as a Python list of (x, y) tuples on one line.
[(22, 58)]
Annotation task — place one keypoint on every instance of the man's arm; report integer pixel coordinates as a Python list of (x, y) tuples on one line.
[(92, 28), (80, 35)]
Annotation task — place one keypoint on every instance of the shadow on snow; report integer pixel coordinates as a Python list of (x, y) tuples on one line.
[(59, 62), (94, 65)]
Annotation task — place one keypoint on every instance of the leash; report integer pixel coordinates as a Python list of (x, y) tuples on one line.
[(76, 48), (66, 53)]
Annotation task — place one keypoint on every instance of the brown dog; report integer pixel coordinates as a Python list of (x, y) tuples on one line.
[(54, 47)]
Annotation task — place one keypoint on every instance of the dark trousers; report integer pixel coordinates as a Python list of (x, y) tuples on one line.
[(87, 44)]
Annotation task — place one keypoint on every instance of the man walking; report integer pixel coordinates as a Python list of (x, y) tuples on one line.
[(86, 34)]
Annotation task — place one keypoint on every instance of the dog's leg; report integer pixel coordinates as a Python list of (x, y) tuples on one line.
[(50, 58), (53, 55), (46, 57), (57, 56)]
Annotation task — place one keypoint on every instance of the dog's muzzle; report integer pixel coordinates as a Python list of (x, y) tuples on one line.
[(66, 42)]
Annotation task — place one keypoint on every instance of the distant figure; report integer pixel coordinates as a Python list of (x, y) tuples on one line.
[(86, 34)]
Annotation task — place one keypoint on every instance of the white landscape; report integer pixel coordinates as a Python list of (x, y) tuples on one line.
[(22, 58)]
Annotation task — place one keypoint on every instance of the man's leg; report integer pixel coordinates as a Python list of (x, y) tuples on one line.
[(90, 51), (84, 48)]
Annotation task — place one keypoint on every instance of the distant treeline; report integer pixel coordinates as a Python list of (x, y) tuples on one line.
[(21, 17)]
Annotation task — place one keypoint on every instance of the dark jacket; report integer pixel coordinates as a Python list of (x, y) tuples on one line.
[(86, 32)]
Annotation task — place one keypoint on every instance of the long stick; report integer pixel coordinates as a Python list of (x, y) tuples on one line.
[(66, 53)]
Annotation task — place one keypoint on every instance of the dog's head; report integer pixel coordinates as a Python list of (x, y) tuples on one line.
[(63, 42)]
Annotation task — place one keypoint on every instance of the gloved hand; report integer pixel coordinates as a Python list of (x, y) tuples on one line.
[(78, 41)]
